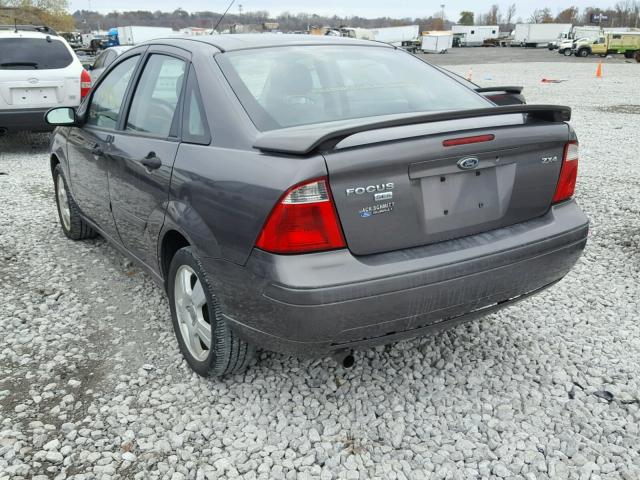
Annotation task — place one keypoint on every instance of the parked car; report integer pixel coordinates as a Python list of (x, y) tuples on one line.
[(38, 71), (103, 60), (313, 195), (566, 48)]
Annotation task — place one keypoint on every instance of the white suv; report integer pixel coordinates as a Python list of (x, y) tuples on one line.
[(38, 71)]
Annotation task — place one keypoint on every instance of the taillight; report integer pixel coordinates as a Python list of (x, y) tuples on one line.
[(304, 220), (85, 83), (568, 173)]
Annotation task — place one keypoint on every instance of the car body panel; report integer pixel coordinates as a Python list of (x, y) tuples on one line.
[(315, 304)]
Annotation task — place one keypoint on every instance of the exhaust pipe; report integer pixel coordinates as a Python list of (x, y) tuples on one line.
[(344, 358)]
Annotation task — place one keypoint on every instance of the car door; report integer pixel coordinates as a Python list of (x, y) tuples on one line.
[(143, 151), (88, 147)]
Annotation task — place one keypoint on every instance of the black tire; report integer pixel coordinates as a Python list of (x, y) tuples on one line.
[(583, 52), (628, 55), (228, 353), (78, 228), (567, 52), (638, 56)]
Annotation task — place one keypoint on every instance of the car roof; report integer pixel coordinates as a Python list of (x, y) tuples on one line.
[(119, 49), (28, 34), (247, 41)]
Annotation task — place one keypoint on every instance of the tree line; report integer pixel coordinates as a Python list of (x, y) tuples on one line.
[(625, 13), (53, 13)]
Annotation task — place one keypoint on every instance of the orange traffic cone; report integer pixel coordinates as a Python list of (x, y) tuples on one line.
[(599, 70), (470, 75)]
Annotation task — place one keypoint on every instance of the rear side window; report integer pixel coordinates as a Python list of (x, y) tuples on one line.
[(290, 86), (33, 54), (195, 128), (106, 102), (156, 98)]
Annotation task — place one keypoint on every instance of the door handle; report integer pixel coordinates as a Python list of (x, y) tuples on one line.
[(151, 161), (97, 151)]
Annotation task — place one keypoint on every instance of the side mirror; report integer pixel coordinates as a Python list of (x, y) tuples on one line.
[(88, 66), (61, 117)]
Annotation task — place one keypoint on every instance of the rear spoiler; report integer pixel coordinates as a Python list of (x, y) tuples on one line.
[(303, 140), (509, 89)]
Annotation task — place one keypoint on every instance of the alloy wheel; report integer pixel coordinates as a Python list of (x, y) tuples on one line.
[(63, 203), (192, 312)]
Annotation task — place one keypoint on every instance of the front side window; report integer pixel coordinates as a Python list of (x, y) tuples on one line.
[(156, 98), (33, 54), (106, 102), (290, 86)]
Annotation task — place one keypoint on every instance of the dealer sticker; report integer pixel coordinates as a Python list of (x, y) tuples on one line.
[(377, 209)]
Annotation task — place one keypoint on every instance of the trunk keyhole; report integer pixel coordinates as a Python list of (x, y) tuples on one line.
[(442, 179)]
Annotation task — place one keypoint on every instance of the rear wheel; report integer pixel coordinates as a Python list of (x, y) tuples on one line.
[(210, 347), (583, 52), (628, 54), (567, 52), (73, 225), (638, 56)]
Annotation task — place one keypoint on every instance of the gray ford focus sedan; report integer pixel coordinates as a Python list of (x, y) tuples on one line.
[(314, 195)]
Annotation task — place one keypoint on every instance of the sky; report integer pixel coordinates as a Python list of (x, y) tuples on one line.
[(362, 8)]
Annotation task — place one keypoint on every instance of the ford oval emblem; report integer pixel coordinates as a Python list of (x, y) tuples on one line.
[(468, 163)]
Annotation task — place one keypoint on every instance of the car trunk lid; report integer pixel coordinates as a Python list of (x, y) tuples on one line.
[(401, 187)]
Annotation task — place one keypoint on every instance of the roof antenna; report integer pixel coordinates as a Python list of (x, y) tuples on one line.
[(223, 15)]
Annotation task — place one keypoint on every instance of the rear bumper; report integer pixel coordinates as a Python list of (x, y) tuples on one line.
[(318, 303), (26, 119)]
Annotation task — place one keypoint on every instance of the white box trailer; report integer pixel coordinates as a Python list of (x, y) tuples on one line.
[(392, 35), (475, 35), (436, 42), (133, 35), (539, 34)]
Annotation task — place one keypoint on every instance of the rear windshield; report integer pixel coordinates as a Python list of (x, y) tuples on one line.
[(290, 86), (33, 54)]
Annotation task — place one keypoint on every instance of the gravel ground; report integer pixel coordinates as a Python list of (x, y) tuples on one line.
[(92, 384)]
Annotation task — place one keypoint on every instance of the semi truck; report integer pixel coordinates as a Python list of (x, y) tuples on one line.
[(534, 35), (626, 43)]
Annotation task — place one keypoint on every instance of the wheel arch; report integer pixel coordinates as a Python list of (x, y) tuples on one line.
[(184, 227), (172, 240), (53, 161)]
